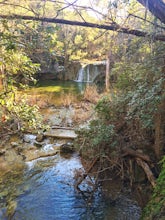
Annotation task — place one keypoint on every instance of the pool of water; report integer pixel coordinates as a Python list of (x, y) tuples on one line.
[(60, 86), (55, 92), (45, 191)]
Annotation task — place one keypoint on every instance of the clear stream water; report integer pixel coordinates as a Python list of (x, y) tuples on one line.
[(46, 192)]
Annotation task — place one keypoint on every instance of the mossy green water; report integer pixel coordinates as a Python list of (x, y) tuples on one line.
[(56, 92), (58, 86)]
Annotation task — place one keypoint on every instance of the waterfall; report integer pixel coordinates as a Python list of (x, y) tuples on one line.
[(84, 74), (88, 72), (80, 75)]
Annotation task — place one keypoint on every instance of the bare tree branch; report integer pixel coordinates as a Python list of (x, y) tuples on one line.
[(67, 6)]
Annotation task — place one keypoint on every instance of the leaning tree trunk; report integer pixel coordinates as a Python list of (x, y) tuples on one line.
[(156, 7)]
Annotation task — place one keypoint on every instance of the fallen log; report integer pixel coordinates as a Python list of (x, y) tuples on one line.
[(141, 160)]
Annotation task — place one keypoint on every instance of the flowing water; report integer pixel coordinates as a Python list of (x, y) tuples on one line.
[(46, 191), (88, 73)]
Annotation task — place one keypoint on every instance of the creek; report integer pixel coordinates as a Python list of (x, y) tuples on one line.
[(44, 190)]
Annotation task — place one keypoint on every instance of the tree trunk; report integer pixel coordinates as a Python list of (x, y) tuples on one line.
[(1, 81), (107, 74), (160, 131), (156, 7), (112, 27)]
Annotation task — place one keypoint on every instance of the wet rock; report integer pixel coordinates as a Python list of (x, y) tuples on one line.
[(40, 137), (46, 151), (12, 161), (67, 148), (2, 152), (29, 138), (39, 144)]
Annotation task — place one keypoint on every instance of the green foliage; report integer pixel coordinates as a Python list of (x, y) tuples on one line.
[(156, 207), (144, 101), (99, 138), (103, 108), (17, 70), (101, 134), (140, 85), (19, 113), (16, 67)]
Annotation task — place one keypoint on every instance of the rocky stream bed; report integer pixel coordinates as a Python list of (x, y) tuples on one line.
[(39, 170)]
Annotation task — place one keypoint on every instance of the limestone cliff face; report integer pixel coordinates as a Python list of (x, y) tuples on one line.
[(56, 68)]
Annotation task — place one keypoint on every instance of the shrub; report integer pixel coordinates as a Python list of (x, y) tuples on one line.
[(156, 207)]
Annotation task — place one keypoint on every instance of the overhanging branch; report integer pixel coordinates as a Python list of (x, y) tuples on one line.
[(112, 27)]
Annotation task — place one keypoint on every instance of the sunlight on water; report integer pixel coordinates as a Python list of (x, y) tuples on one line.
[(47, 192)]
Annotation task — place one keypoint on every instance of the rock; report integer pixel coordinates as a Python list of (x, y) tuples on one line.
[(2, 152), (12, 157), (61, 133), (67, 148), (38, 144), (13, 160), (39, 137), (29, 138), (14, 144)]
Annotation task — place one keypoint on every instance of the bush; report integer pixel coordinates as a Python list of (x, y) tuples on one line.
[(99, 139), (17, 70), (19, 113), (156, 207)]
